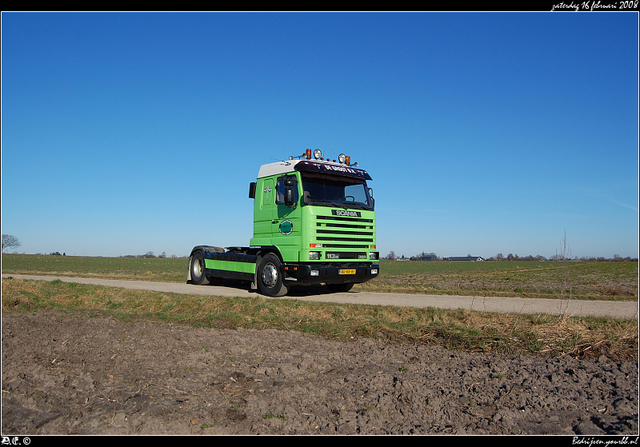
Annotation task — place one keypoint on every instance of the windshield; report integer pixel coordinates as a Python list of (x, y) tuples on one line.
[(344, 192)]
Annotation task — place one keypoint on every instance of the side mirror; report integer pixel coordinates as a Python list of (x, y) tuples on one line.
[(289, 196), (290, 186), (252, 190), (287, 191)]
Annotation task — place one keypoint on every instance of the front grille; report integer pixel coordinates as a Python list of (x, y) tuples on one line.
[(347, 233)]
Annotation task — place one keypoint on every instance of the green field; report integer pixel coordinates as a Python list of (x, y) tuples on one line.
[(550, 279), (529, 279), (146, 269)]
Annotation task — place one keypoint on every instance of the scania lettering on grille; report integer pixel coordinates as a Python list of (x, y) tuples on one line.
[(346, 213)]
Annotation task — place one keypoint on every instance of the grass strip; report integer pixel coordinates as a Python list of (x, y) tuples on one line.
[(453, 329)]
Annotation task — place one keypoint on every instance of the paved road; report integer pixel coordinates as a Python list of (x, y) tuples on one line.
[(578, 308)]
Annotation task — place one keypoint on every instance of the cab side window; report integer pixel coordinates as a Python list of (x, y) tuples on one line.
[(283, 183)]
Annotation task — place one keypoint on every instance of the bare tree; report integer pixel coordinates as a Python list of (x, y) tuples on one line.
[(9, 241)]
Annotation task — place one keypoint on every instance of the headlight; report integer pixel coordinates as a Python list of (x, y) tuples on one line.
[(342, 158), (374, 255), (317, 154), (314, 255)]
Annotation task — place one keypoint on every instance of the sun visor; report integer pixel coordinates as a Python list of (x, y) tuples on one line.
[(332, 169)]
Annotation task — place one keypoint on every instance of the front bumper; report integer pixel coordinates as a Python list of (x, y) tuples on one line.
[(330, 273)]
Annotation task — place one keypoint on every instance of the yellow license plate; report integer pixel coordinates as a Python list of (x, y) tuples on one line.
[(347, 272)]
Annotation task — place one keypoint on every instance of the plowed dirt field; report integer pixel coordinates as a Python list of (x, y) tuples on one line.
[(78, 373)]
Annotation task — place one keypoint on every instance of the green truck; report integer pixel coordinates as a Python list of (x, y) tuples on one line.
[(313, 223)]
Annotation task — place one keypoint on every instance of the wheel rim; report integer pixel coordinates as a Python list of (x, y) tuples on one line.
[(197, 267), (270, 275)]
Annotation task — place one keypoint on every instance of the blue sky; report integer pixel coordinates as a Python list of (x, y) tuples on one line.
[(484, 133)]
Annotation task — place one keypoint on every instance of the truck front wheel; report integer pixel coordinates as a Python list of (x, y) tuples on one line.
[(270, 277)]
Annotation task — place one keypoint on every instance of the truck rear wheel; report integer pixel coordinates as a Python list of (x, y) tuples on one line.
[(196, 265), (270, 277)]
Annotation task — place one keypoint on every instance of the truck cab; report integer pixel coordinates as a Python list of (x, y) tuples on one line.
[(314, 222)]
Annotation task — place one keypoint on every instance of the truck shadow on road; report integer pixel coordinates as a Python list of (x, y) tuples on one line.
[(294, 291)]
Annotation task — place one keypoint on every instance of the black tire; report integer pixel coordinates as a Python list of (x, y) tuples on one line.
[(270, 276), (196, 266), (344, 287)]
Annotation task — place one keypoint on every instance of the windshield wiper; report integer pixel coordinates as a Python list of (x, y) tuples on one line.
[(358, 205), (344, 205)]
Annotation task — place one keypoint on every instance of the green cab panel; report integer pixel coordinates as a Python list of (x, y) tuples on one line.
[(310, 233)]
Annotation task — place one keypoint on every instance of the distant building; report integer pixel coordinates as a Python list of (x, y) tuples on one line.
[(429, 258), (465, 258)]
